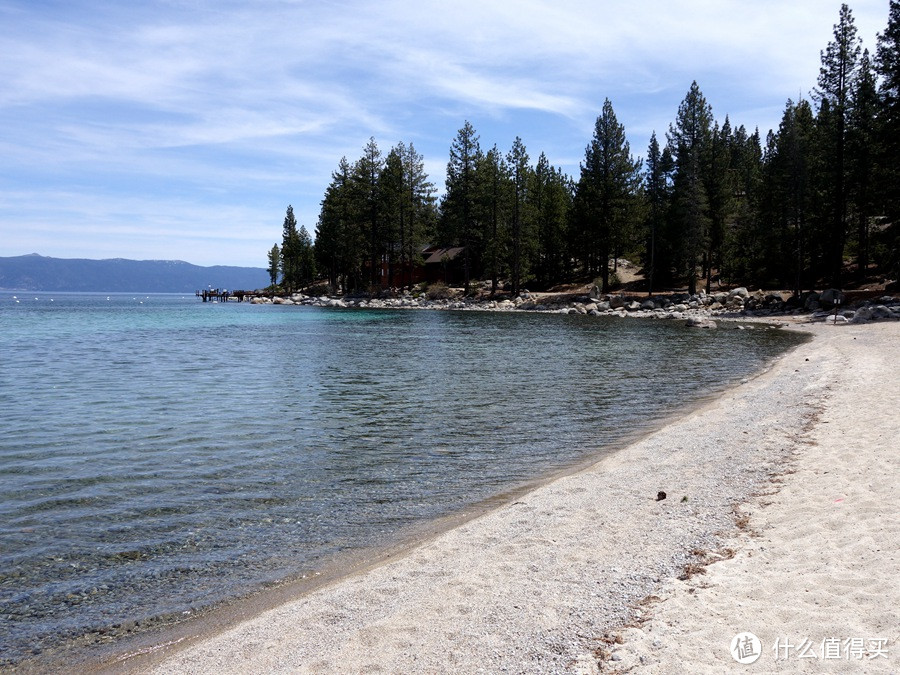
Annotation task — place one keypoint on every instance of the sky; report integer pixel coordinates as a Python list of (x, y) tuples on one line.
[(182, 129)]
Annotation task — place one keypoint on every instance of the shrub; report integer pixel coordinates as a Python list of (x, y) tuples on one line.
[(437, 291)]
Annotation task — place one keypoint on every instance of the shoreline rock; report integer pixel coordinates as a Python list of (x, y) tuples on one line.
[(736, 305)]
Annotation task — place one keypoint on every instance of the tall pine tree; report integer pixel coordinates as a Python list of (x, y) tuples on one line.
[(520, 239), (836, 81), (690, 222), (605, 192), (458, 206)]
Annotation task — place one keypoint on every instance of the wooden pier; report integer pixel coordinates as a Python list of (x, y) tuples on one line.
[(221, 295)]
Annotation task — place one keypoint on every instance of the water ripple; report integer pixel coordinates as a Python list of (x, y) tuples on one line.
[(156, 458)]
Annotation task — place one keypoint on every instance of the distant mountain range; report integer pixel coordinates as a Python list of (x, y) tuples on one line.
[(38, 273)]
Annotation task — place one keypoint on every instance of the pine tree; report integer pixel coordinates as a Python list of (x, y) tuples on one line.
[(392, 212), (519, 170), (458, 206), (690, 222), (290, 251), (605, 192), (719, 189), (306, 261), (789, 247), (887, 64), (862, 144), (743, 249), (418, 207), (657, 191), (274, 264), (340, 241), (492, 206), (549, 197), (836, 81), (366, 203)]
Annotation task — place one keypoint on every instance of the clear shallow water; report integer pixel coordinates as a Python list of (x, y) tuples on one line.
[(159, 454)]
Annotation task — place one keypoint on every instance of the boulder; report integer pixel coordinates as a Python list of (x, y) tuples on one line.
[(648, 304), (616, 301), (831, 297), (810, 301), (633, 306), (603, 306), (862, 315), (740, 292), (700, 322)]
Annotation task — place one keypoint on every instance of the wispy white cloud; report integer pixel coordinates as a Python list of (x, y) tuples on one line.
[(192, 108)]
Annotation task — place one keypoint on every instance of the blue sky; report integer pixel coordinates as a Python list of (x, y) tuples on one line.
[(182, 129)]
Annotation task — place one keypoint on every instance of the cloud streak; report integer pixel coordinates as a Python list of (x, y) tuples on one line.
[(213, 116)]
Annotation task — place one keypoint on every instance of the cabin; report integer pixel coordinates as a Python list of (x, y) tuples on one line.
[(437, 264)]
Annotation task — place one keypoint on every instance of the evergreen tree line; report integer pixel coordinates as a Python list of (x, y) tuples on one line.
[(712, 201)]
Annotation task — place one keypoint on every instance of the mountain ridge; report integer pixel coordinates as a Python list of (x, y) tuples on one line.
[(35, 272)]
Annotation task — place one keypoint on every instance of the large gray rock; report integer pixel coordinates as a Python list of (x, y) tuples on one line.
[(862, 315), (616, 301), (633, 306), (648, 304), (831, 297), (700, 322), (740, 292)]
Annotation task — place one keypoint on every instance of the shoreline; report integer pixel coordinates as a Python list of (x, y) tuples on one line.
[(537, 583), (137, 651), (739, 304)]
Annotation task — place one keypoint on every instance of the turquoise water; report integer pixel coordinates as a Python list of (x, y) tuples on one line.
[(159, 454)]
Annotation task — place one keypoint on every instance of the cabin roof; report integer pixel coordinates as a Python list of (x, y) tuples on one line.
[(436, 255)]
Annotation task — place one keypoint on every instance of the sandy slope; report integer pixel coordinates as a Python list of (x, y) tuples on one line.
[(823, 558), (536, 585)]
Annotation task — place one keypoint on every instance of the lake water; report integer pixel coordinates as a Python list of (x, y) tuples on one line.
[(159, 455)]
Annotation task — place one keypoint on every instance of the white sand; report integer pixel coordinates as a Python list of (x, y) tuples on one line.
[(535, 585), (823, 560)]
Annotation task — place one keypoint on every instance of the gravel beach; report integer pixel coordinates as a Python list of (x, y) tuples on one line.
[(779, 518)]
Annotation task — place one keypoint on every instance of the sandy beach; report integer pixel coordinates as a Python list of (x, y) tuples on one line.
[(780, 519)]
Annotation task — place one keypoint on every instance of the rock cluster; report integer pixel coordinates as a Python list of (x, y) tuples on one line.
[(699, 307)]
